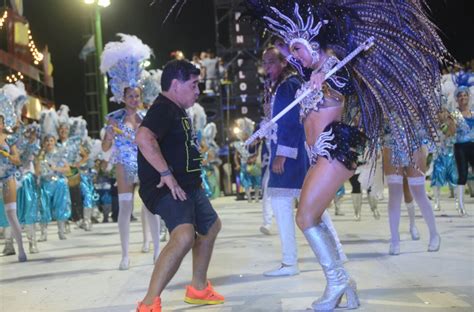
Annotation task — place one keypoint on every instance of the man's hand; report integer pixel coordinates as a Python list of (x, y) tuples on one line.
[(278, 165), (176, 190)]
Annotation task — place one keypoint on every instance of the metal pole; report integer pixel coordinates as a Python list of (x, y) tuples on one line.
[(101, 79)]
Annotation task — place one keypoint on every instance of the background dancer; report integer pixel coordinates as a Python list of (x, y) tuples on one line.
[(123, 63), (9, 159), (464, 146)]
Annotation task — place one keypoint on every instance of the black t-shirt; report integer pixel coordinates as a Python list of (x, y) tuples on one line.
[(178, 144)]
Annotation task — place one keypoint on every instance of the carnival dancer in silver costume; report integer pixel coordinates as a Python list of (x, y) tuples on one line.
[(211, 161), (71, 146), (396, 164), (246, 160), (318, 34), (28, 198), (123, 62), (444, 164), (9, 159), (51, 166)]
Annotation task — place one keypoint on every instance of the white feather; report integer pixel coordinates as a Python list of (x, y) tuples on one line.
[(129, 46)]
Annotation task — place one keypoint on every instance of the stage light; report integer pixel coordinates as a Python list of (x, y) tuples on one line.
[(236, 130), (146, 64), (104, 3)]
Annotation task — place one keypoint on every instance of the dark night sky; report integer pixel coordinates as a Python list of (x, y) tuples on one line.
[(61, 24)]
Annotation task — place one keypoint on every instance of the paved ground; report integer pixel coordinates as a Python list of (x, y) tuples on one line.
[(80, 274)]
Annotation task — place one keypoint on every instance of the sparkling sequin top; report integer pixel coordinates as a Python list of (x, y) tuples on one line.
[(315, 100), (71, 149), (52, 159), (125, 150)]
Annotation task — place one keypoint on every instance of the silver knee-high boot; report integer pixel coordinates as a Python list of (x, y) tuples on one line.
[(357, 202), (88, 219), (373, 201), (44, 232), (338, 280), (460, 201), (9, 249), (31, 235), (61, 230)]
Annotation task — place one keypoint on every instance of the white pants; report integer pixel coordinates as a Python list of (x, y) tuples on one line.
[(267, 212), (283, 208)]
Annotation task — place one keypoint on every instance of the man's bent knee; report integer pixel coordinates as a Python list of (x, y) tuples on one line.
[(183, 235)]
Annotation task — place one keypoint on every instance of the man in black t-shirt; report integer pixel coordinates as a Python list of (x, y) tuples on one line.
[(169, 167)]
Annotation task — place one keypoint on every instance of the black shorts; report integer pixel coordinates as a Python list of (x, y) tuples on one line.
[(196, 210)]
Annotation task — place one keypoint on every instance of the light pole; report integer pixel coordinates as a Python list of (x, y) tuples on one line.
[(102, 84)]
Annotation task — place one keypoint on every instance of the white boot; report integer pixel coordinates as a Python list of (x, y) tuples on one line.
[(436, 194), (44, 232), (373, 202), (31, 235), (415, 235), (337, 205), (9, 249), (460, 201), (163, 230), (470, 186), (61, 230), (338, 280), (257, 194), (87, 219), (357, 202), (249, 195)]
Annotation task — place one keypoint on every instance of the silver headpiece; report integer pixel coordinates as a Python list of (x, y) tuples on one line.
[(295, 29)]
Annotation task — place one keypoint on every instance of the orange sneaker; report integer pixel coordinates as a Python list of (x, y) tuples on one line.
[(206, 296), (155, 306)]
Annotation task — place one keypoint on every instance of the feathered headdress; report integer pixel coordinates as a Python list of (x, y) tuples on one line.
[(7, 111), (49, 122), (246, 127), (399, 78), (151, 85), (463, 82), (17, 95), (78, 128), (123, 62)]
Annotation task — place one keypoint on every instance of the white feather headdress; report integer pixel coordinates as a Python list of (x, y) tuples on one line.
[(123, 62)]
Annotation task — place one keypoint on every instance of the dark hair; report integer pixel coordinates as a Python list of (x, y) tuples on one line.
[(181, 70), (277, 52)]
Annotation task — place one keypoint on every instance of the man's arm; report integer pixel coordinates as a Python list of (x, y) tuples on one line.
[(148, 145)]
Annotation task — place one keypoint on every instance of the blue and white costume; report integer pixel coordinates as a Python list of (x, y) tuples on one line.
[(211, 163), (125, 149), (28, 190), (55, 197)]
